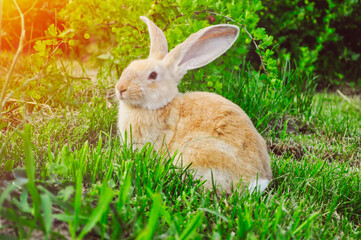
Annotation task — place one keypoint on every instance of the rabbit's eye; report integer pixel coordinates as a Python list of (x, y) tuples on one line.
[(153, 75)]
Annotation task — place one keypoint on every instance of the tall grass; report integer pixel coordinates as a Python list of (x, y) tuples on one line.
[(116, 192), (80, 182), (268, 105)]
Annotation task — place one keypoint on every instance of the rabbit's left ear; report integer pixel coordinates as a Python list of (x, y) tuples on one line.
[(202, 47), (158, 42)]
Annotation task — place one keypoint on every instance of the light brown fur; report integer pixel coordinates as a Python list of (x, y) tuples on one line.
[(208, 131)]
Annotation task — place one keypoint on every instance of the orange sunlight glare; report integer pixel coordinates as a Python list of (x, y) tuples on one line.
[(38, 14)]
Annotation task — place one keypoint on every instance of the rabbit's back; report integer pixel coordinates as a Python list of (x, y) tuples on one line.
[(212, 132)]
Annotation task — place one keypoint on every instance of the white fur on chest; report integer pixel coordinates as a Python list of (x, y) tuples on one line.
[(124, 118), (143, 123)]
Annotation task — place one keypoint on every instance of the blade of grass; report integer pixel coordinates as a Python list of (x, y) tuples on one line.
[(307, 222), (148, 232), (47, 214), (30, 170), (192, 226), (106, 196), (6, 193), (77, 204)]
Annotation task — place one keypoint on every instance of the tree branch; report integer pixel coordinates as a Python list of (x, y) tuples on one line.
[(244, 28), (21, 42), (24, 13), (1, 17)]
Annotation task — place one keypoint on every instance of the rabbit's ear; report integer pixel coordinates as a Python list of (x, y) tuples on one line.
[(203, 47), (158, 42)]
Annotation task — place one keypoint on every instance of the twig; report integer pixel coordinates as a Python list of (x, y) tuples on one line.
[(52, 53), (80, 78), (7, 137), (24, 13), (21, 40), (168, 22), (347, 99), (22, 86), (34, 102), (1, 17), (244, 28)]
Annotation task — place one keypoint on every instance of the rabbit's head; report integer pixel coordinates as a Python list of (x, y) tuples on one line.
[(153, 82)]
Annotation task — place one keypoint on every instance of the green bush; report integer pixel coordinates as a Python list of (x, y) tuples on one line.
[(115, 26), (278, 90), (320, 35), (111, 32)]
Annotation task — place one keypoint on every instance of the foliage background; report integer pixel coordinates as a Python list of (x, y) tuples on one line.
[(110, 34), (65, 174), (321, 36)]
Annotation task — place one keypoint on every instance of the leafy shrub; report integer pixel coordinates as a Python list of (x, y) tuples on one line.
[(94, 27), (117, 22), (111, 31), (320, 35)]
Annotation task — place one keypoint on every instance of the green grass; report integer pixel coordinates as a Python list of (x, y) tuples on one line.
[(266, 104), (79, 181)]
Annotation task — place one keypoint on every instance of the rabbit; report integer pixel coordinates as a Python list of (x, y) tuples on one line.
[(210, 133)]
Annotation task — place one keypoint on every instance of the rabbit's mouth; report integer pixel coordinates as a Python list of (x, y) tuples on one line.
[(130, 97), (119, 95)]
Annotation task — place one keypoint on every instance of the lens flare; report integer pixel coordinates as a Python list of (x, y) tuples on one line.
[(38, 14)]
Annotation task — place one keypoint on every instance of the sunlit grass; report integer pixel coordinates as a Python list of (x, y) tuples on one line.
[(114, 191), (80, 182)]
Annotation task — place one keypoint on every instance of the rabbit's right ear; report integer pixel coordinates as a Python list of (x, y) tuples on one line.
[(202, 47), (158, 42)]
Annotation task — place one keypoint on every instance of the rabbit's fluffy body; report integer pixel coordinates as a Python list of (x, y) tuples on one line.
[(208, 131)]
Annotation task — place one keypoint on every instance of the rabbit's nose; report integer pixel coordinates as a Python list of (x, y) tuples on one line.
[(121, 89), (121, 92)]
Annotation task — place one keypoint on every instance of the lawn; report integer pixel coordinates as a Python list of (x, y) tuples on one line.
[(68, 176)]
